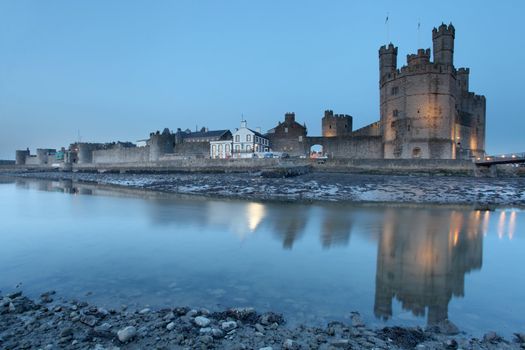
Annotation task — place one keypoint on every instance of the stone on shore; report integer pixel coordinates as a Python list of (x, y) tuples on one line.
[(202, 321), (126, 334)]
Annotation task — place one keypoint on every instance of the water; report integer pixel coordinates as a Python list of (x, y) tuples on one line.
[(314, 263)]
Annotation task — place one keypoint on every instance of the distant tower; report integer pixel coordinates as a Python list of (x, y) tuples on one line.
[(443, 40), (387, 60), (336, 124)]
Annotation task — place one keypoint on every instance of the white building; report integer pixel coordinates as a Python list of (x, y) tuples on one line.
[(221, 149), (246, 142)]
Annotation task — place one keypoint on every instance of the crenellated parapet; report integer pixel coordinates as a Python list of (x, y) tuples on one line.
[(421, 58)]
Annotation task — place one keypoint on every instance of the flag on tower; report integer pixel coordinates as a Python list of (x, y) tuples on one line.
[(386, 20)]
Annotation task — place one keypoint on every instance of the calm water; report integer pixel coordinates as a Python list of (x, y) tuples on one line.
[(314, 263)]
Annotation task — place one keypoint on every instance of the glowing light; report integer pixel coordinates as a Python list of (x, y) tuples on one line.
[(501, 225), (513, 156), (255, 213), (485, 226), (502, 156), (512, 224)]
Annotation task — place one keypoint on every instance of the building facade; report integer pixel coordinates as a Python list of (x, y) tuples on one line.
[(246, 142), (426, 108), (288, 136)]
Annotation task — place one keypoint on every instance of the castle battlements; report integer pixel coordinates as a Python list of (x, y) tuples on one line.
[(422, 57), (443, 29)]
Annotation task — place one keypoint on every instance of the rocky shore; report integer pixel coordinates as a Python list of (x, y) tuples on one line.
[(317, 186), (52, 323)]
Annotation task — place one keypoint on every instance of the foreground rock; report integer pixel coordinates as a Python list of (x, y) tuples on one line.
[(44, 324)]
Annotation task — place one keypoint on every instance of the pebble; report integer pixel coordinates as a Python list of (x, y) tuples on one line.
[(259, 328), (490, 337), (217, 333), (290, 344), (357, 321), (126, 334), (228, 325), (144, 311), (202, 321), (104, 327), (170, 326), (266, 348)]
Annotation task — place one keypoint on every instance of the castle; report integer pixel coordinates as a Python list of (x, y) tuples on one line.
[(426, 108), (426, 111)]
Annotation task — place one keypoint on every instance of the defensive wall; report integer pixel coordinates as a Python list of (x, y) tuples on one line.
[(372, 166), (121, 155), (173, 163), (363, 147)]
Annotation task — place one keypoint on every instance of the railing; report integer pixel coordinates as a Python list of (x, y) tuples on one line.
[(501, 159)]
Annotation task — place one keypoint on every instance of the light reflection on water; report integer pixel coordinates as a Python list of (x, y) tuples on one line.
[(396, 265)]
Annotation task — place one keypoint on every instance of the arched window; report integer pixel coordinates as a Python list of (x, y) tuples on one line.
[(237, 138), (248, 138)]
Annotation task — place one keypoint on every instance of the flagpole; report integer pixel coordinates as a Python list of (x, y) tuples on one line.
[(387, 27), (418, 33)]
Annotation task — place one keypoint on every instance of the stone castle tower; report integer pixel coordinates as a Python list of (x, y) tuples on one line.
[(426, 108), (336, 124)]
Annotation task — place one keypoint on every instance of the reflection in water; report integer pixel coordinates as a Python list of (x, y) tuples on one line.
[(288, 224), (255, 213), (336, 226), (507, 227), (422, 260)]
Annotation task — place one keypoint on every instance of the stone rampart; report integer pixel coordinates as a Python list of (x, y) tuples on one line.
[(121, 155)]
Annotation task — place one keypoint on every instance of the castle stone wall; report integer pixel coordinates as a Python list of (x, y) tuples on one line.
[(121, 155), (358, 147), (193, 149)]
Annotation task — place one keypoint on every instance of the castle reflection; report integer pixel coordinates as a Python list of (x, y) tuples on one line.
[(423, 255), (422, 260)]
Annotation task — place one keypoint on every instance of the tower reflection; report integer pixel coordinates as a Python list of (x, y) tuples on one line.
[(422, 260)]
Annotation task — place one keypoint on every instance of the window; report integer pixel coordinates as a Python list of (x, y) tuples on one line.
[(248, 138), (416, 152), (301, 138), (237, 148), (394, 91), (237, 138), (248, 148), (286, 130), (227, 148), (395, 113)]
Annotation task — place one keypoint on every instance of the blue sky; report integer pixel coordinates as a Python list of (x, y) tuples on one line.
[(117, 70)]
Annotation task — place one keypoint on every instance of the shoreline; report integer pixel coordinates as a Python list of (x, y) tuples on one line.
[(478, 193), (52, 323)]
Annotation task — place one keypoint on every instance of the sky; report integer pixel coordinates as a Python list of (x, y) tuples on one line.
[(101, 71)]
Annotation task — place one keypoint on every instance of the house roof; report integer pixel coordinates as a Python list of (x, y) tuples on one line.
[(257, 133), (204, 134)]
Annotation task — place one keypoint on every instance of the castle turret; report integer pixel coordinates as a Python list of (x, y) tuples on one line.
[(387, 60), (160, 144), (336, 124), (21, 156), (443, 40), (462, 77)]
